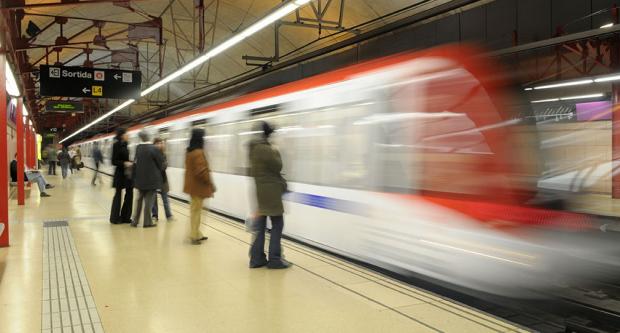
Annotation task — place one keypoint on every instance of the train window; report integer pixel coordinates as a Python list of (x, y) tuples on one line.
[(218, 144), (264, 110), (323, 146), (176, 144)]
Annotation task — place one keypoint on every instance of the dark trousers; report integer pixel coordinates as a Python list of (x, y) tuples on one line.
[(96, 173), (118, 214), (145, 197), (52, 168), (257, 251)]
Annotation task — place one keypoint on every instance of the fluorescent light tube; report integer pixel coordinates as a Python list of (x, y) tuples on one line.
[(105, 115), (608, 78), (582, 97), (11, 85), (546, 100), (565, 84), (234, 40), (608, 25)]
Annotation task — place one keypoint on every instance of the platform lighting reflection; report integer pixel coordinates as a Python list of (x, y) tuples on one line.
[(234, 40)]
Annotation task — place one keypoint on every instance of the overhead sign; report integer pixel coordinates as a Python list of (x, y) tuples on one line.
[(58, 106), (89, 82)]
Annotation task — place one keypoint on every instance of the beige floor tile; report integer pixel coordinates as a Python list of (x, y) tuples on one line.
[(152, 280), (340, 275), (20, 316), (386, 296), (451, 320)]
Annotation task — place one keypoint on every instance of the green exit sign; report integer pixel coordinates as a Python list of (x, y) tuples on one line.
[(56, 106)]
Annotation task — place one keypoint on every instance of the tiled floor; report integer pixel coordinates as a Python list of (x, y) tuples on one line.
[(152, 280)]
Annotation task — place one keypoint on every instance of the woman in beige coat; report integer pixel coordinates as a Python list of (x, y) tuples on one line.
[(198, 183)]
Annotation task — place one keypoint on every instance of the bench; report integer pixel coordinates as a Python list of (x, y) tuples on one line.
[(13, 189)]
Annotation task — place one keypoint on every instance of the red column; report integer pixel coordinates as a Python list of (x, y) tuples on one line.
[(20, 152), (4, 163)]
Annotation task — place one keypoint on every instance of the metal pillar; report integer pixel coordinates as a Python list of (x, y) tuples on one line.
[(20, 152), (4, 163)]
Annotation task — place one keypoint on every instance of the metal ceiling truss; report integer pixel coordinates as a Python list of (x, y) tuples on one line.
[(65, 50), (318, 22), (567, 56)]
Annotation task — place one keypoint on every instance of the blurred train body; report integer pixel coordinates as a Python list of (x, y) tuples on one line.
[(414, 163)]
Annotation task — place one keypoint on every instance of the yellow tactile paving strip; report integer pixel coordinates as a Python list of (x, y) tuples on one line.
[(151, 280)]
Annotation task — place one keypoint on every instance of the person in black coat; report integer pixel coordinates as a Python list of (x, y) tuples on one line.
[(148, 171), (122, 179)]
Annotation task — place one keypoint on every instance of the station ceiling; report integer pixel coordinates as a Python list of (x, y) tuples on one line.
[(159, 36)]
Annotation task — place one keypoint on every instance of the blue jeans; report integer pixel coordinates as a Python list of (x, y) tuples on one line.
[(257, 249), (64, 168), (38, 178), (164, 198)]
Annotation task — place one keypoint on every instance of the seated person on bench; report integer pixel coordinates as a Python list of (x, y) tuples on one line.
[(32, 176)]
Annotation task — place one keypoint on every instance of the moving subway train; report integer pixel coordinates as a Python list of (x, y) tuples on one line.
[(414, 162)]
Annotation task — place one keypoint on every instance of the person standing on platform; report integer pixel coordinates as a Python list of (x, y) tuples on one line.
[(159, 143), (198, 183), (148, 172), (65, 161), (122, 179), (98, 159), (266, 168), (78, 158), (52, 159), (71, 160)]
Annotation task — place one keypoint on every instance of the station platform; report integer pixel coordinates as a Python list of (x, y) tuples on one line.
[(69, 270)]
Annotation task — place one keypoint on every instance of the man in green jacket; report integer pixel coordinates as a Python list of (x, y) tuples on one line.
[(52, 159)]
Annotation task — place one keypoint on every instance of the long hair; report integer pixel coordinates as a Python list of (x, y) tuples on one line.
[(197, 140)]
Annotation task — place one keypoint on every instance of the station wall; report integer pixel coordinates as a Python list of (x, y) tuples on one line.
[(578, 155)]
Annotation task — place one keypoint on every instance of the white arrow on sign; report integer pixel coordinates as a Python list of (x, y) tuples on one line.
[(86, 90), (116, 76)]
